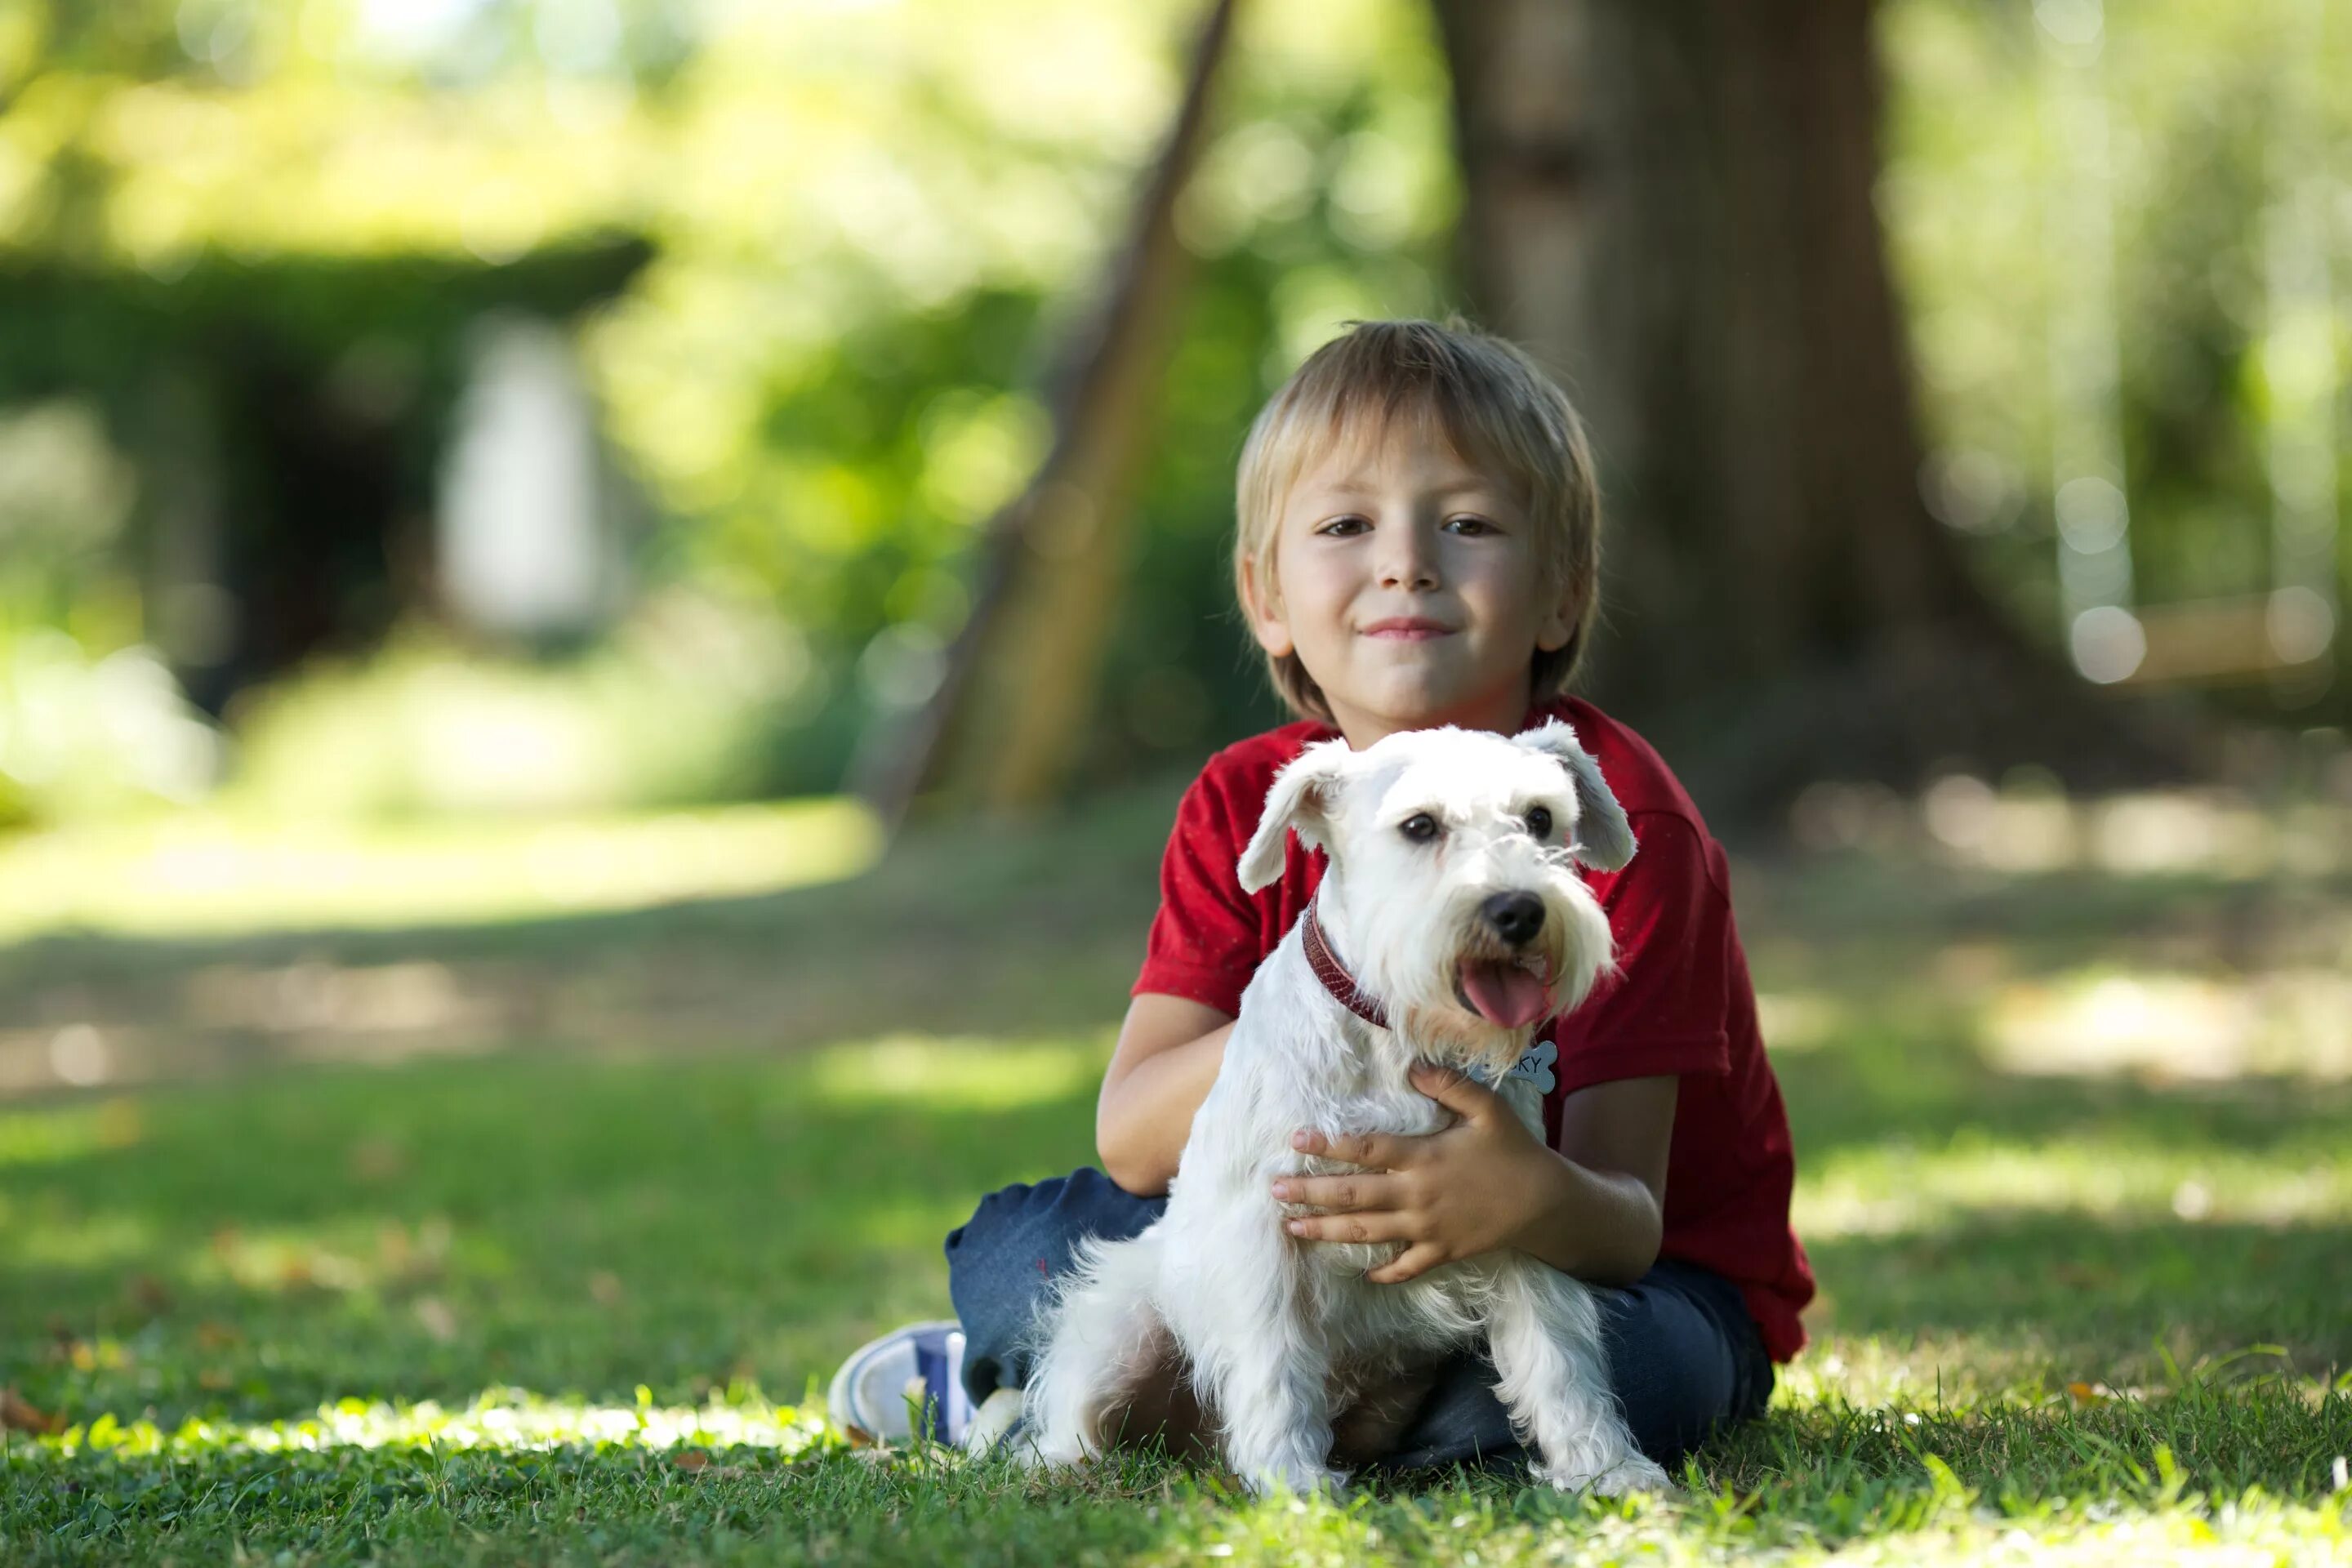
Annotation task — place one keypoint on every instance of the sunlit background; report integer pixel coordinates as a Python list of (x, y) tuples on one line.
[(409, 409), (483, 481)]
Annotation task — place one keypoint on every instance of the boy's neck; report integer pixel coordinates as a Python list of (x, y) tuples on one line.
[(1503, 712)]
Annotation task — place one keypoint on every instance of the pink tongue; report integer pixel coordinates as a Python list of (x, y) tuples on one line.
[(1504, 995)]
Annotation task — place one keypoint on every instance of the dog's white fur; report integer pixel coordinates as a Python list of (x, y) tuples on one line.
[(1283, 1336)]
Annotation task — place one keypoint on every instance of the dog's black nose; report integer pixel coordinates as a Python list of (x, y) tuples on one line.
[(1516, 917)]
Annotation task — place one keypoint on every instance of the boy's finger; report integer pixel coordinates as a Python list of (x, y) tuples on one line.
[(1339, 1192), (1412, 1262), (1372, 1227), (1374, 1150), (1456, 1090)]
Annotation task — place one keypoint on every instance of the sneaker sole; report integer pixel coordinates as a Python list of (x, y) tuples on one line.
[(840, 1400)]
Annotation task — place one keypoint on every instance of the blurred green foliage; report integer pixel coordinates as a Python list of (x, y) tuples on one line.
[(869, 222), (2213, 113), (683, 702)]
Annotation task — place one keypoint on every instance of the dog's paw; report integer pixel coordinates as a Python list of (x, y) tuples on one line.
[(1299, 1480), (1031, 1449), (1019, 1455), (1632, 1473)]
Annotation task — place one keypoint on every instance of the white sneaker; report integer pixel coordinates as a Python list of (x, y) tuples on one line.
[(885, 1382)]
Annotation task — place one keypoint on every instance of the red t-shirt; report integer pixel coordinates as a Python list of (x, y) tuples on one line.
[(1681, 1004)]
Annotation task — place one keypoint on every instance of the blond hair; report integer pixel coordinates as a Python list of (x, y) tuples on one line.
[(1498, 411)]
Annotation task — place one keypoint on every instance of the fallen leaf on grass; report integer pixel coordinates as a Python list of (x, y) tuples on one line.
[(83, 1355), (2090, 1393), (17, 1415), (859, 1437), (378, 1160), (2084, 1276), (692, 1459), (438, 1320), (404, 1256), (120, 1123)]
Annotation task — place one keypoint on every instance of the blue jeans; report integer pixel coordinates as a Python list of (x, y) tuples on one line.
[(1684, 1355)]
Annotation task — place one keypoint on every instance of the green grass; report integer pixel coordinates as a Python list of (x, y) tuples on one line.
[(306, 1295)]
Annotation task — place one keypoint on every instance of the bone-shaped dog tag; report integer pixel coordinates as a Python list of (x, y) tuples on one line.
[(1535, 1064)]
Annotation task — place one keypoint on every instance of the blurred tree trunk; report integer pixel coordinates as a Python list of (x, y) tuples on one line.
[(1002, 731), (1672, 206)]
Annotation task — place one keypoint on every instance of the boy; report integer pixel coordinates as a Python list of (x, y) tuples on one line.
[(1418, 544)]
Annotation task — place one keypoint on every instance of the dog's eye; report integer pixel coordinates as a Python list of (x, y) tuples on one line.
[(1539, 822), (1421, 827)]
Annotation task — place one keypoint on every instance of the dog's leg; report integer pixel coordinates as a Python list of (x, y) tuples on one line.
[(1241, 1312), (1104, 1334), (1545, 1336)]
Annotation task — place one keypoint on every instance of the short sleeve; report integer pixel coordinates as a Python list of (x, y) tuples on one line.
[(1665, 1011), (1204, 941)]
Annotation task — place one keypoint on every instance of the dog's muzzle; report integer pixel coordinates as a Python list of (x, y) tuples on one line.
[(1508, 983), (1515, 917)]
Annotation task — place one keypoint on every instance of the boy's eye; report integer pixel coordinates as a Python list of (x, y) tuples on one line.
[(1342, 525), (1539, 822), (1471, 525), (1421, 827)]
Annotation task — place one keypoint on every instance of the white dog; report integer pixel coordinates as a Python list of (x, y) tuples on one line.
[(1449, 924)]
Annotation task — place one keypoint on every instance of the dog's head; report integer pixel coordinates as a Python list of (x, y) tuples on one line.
[(1452, 890)]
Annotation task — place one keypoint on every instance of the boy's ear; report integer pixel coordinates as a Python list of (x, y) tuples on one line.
[(1604, 840), (1300, 801), (1559, 624), (1262, 601)]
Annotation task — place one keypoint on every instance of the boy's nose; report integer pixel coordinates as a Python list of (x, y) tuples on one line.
[(1410, 562)]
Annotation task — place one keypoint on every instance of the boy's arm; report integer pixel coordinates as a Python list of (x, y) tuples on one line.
[(1603, 1215), (1168, 1054)]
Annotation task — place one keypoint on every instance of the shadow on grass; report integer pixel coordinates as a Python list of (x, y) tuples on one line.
[(1921, 1081), (1942, 1484), (1020, 929), (569, 1502), (257, 1248), (248, 1249), (2092, 1299)]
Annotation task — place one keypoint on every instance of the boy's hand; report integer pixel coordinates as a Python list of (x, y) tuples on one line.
[(1455, 1194)]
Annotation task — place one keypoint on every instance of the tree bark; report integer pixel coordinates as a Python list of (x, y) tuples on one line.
[(1672, 206), (1002, 731)]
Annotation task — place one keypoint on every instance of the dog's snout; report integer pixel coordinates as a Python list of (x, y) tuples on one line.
[(1516, 917)]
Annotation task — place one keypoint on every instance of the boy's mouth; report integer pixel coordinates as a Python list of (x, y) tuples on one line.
[(1408, 628)]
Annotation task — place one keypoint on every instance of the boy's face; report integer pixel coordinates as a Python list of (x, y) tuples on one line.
[(1407, 584)]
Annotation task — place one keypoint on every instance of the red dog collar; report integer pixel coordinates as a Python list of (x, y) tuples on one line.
[(1335, 976)]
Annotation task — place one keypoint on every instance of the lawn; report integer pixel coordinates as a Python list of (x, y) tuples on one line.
[(536, 1236)]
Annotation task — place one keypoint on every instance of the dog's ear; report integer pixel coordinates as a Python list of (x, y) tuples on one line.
[(1300, 800), (1604, 838)]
